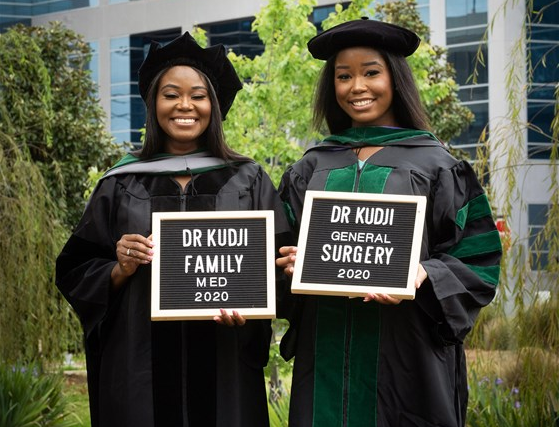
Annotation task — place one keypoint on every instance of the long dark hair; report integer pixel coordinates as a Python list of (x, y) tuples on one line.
[(406, 104), (213, 138)]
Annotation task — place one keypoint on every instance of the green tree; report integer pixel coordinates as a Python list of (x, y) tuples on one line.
[(58, 116), (51, 132), (271, 117)]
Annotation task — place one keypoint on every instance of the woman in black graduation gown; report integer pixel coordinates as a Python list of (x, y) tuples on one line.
[(172, 373), (381, 361)]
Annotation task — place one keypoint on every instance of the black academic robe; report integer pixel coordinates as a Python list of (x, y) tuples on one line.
[(363, 364), (166, 373)]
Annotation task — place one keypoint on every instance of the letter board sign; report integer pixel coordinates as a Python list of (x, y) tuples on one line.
[(353, 244), (205, 261)]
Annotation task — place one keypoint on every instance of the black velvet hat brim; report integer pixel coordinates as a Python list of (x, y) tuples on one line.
[(364, 32)]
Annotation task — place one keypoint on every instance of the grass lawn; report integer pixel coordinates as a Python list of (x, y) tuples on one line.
[(76, 390)]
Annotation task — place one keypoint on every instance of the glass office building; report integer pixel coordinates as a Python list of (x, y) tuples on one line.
[(21, 12)]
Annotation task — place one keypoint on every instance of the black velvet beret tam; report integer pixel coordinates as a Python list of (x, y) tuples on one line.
[(184, 50), (364, 32)]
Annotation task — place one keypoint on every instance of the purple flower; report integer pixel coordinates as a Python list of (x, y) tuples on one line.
[(517, 404), (483, 381), (515, 391), (498, 381)]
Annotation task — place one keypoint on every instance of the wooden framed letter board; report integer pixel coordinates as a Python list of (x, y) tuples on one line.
[(353, 244), (205, 261)]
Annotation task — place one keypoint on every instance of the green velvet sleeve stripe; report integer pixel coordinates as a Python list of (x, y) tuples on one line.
[(477, 245), (488, 274), (476, 208)]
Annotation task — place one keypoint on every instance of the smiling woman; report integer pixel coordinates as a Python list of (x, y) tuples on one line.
[(170, 373), (381, 361)]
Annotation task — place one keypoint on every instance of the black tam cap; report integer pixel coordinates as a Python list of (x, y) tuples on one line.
[(364, 32), (184, 50)]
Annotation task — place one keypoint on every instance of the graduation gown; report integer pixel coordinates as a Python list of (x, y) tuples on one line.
[(168, 373), (367, 364)]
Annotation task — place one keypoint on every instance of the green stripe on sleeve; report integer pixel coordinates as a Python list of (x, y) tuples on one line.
[(488, 274), (476, 208), (461, 216), (477, 245)]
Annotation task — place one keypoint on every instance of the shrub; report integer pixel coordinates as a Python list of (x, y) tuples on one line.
[(539, 325), (279, 411), (494, 403), (30, 398), (513, 389)]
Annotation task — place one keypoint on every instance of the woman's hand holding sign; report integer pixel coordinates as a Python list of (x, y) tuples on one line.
[(132, 250), (287, 262), (235, 319), (287, 259), (387, 299)]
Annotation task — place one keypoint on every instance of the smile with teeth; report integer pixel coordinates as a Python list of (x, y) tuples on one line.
[(362, 102), (184, 121)]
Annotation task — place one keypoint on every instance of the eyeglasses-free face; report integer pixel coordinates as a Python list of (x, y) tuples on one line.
[(363, 86), (183, 109)]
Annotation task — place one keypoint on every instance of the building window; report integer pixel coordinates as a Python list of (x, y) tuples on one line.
[(93, 65), (20, 12), (236, 35), (320, 13), (467, 13), (540, 116), (423, 10), (543, 54), (127, 107), (468, 140), (12, 13), (538, 245), (465, 26), (41, 7)]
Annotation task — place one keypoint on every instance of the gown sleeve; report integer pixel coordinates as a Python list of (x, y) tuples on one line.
[(292, 190), (83, 268), (266, 197), (463, 264)]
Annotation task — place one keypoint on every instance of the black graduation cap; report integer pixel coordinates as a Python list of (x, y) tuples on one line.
[(364, 32), (184, 50)]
